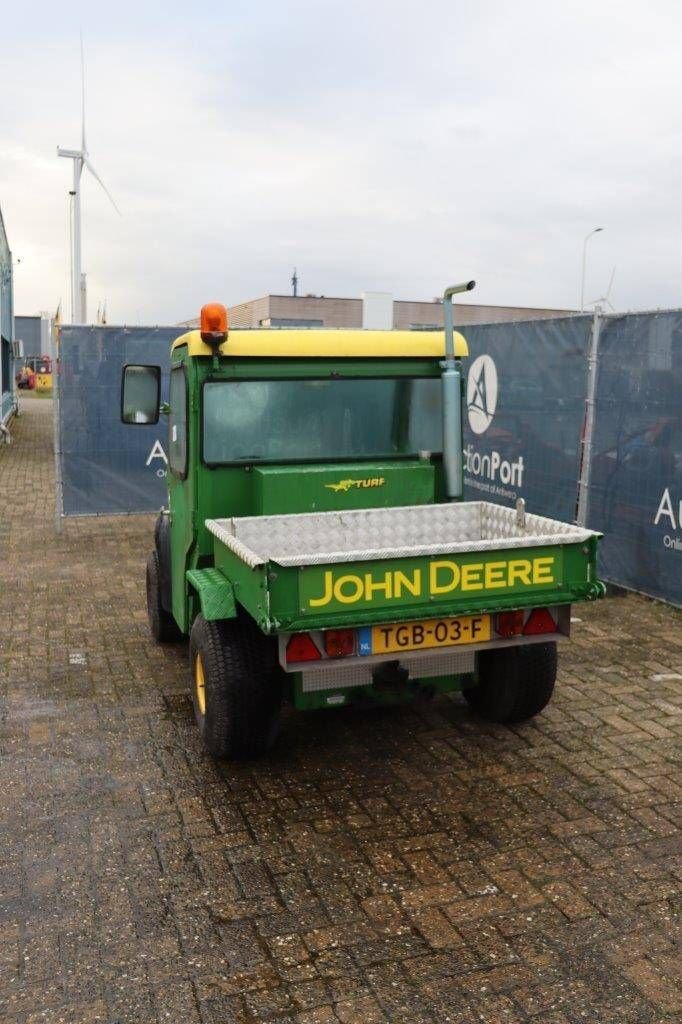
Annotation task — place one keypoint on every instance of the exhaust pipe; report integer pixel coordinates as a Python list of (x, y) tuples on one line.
[(451, 378)]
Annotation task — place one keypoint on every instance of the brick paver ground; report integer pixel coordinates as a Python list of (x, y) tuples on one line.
[(409, 865)]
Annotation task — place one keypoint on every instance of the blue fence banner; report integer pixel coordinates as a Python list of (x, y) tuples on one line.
[(635, 489), (525, 421), (106, 466), (525, 410)]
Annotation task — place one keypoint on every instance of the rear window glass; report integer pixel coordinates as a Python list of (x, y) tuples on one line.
[(286, 420)]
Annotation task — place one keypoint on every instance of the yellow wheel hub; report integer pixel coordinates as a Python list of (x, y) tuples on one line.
[(200, 683)]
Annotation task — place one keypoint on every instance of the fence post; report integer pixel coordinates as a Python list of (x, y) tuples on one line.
[(586, 443), (56, 434)]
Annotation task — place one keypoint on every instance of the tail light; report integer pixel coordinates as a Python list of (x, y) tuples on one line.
[(539, 621), (339, 643), (301, 647), (509, 623)]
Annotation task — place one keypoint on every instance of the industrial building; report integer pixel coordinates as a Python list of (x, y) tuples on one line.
[(384, 312), (7, 393), (36, 334)]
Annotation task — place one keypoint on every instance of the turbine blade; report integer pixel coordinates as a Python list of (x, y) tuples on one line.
[(84, 148), (608, 290), (97, 178)]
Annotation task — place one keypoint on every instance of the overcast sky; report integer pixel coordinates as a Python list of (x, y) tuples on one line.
[(390, 146)]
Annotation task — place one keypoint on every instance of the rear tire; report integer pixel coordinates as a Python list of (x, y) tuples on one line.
[(514, 683), (236, 687), (163, 626)]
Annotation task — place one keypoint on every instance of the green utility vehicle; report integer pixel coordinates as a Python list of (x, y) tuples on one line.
[(316, 546)]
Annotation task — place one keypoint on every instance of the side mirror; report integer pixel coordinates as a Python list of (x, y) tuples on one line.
[(140, 394)]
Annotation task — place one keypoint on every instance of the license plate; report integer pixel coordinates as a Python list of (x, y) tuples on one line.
[(411, 636)]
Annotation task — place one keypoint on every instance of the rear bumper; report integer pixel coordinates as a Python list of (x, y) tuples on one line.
[(432, 662), (331, 676)]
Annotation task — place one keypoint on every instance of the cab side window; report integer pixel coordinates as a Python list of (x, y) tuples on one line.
[(177, 423)]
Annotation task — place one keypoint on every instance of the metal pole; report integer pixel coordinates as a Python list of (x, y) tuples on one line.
[(586, 452), (56, 436), (76, 265), (451, 382), (84, 298), (582, 279)]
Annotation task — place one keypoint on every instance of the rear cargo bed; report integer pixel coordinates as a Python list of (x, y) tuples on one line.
[(316, 537), (327, 568)]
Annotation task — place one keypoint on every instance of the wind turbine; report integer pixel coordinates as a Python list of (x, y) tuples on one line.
[(80, 160), (605, 298)]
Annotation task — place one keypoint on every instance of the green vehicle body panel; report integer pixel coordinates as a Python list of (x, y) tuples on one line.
[(322, 488)]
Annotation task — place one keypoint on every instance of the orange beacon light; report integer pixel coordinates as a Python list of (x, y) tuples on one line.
[(213, 324)]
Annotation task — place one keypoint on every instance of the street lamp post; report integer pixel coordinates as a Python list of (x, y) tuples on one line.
[(582, 283)]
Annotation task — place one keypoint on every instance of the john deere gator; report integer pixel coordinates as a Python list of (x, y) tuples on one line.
[(316, 546)]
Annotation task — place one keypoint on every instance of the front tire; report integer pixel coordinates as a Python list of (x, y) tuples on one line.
[(514, 683), (163, 626), (236, 687)]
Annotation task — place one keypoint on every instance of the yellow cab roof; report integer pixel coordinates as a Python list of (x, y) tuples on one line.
[(327, 344)]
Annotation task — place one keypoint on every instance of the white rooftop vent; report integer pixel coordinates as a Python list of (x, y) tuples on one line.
[(377, 311)]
